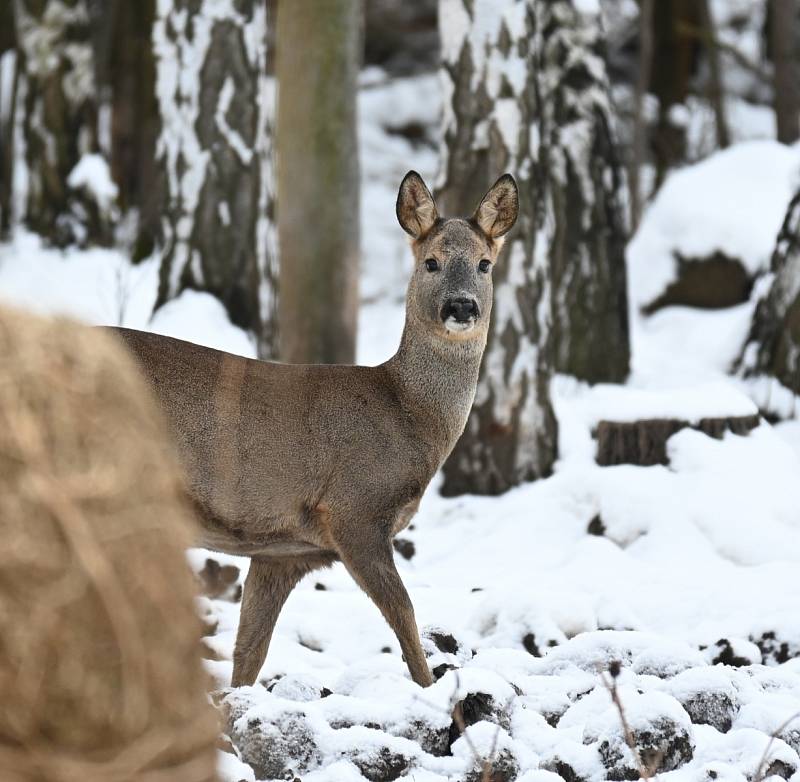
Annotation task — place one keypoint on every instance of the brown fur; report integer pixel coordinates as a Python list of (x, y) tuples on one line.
[(299, 466)]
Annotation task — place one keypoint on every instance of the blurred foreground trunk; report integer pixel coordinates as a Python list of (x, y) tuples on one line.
[(772, 347), (531, 97), (70, 196), (318, 56), (215, 155)]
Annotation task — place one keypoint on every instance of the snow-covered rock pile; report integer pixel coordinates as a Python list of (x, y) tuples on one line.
[(711, 228), (524, 713)]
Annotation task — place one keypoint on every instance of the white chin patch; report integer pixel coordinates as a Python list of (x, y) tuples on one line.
[(451, 324)]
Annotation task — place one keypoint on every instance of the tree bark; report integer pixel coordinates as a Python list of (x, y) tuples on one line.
[(675, 56), (772, 347), (586, 189), (214, 151), (639, 151), (716, 86), (644, 442), (8, 60), (531, 96), (60, 123), (126, 75), (491, 126), (318, 179), (783, 27)]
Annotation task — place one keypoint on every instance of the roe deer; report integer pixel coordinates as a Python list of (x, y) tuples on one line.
[(300, 466)]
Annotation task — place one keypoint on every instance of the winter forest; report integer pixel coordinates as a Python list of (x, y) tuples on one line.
[(575, 555)]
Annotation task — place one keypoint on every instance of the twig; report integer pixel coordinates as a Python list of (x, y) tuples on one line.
[(759, 776), (610, 683), (457, 714)]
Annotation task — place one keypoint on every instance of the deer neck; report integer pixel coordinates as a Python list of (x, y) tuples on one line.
[(435, 380)]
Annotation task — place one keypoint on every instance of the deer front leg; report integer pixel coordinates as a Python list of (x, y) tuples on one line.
[(266, 588), (371, 563)]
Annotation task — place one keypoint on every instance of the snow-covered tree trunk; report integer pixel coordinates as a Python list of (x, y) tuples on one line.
[(772, 347), (490, 126), (215, 152), (526, 91), (70, 197), (585, 188)]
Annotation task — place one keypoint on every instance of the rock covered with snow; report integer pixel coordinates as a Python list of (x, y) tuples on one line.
[(655, 723), (716, 221), (524, 715)]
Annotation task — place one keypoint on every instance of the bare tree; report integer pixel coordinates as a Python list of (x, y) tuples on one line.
[(772, 347), (66, 202), (530, 95), (318, 179), (783, 46), (214, 150)]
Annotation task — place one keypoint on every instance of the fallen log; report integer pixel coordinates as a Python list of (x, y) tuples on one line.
[(644, 442)]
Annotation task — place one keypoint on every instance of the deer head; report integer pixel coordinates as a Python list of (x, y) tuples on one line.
[(450, 292)]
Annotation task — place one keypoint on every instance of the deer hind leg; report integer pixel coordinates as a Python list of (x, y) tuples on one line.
[(371, 563), (268, 584)]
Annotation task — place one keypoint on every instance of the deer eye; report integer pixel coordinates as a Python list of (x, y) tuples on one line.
[(432, 265), (485, 265)]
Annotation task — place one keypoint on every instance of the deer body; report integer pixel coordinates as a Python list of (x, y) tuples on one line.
[(298, 466)]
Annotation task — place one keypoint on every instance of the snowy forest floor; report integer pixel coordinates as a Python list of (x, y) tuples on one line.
[(686, 574)]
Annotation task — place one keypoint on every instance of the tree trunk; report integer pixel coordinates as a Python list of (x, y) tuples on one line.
[(639, 146), (772, 347), (214, 151), (60, 124), (131, 123), (318, 179), (580, 159), (491, 126), (783, 27), (676, 24), (531, 96), (8, 89), (716, 86)]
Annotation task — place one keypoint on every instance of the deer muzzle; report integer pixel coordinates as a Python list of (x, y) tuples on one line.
[(460, 314)]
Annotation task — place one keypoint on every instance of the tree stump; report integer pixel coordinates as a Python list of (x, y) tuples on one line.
[(644, 442)]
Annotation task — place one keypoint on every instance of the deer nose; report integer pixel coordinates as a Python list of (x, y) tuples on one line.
[(461, 310)]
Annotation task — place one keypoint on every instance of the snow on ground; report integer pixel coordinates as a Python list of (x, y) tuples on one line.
[(685, 575)]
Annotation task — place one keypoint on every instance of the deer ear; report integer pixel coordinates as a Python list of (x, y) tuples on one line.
[(416, 211), (497, 212)]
